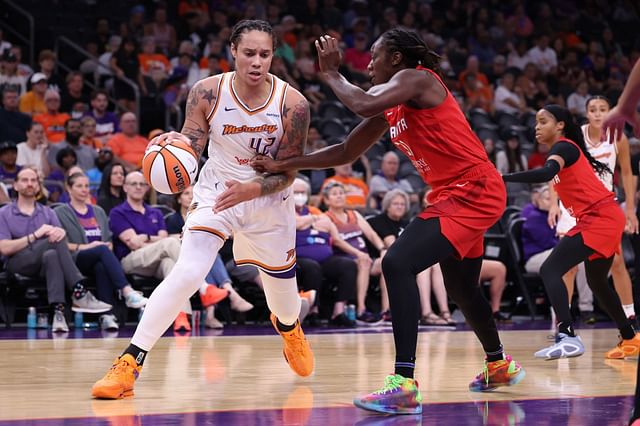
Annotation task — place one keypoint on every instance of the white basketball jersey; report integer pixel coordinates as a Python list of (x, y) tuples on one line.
[(604, 152), (238, 133)]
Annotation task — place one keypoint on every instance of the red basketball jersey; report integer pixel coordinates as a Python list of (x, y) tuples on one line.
[(579, 187), (438, 140)]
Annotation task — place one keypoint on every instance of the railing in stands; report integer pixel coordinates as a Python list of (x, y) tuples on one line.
[(63, 41), (29, 39)]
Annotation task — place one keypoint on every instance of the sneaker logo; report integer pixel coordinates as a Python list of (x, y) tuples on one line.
[(229, 109)]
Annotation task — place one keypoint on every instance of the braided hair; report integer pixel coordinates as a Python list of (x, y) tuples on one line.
[(247, 25), (413, 49), (573, 132)]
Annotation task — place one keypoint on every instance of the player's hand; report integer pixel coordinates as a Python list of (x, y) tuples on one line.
[(613, 124), (329, 56), (235, 194), (631, 226), (264, 164), (169, 136), (553, 216)]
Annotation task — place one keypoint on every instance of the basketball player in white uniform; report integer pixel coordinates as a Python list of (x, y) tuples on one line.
[(607, 153), (241, 114)]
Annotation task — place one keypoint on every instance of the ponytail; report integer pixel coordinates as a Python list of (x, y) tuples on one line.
[(573, 132), (413, 49)]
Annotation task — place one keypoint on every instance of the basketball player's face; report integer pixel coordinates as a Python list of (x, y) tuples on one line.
[(253, 56), (380, 66), (548, 130), (596, 111)]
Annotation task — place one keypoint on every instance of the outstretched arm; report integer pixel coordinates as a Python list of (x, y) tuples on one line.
[(362, 137), (399, 89)]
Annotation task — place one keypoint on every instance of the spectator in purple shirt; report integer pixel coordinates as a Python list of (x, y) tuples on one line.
[(141, 240), (106, 121), (35, 245), (538, 239)]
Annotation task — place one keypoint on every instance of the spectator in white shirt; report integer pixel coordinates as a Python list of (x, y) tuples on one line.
[(577, 101), (33, 152), (542, 55), (506, 98), (517, 55)]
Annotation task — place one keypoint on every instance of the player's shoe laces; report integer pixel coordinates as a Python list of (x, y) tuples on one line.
[(505, 372), (399, 395), (119, 380), (564, 347), (297, 351), (625, 348)]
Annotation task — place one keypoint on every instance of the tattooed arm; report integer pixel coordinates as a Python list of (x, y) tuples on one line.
[(296, 125), (195, 130), (296, 122)]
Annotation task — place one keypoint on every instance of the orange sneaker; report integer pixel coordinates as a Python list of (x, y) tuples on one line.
[(297, 351), (625, 348), (213, 295), (119, 380), (181, 322)]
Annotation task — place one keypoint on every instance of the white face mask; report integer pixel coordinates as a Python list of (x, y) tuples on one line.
[(300, 199)]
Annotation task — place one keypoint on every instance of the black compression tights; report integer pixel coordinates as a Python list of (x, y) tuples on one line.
[(569, 252), (420, 246)]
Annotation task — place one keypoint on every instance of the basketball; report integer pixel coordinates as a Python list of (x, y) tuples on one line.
[(170, 167)]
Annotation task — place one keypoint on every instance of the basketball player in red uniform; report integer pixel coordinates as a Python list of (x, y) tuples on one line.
[(595, 238), (410, 100), (626, 112)]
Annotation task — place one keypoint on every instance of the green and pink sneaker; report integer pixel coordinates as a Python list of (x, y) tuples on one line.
[(398, 396)]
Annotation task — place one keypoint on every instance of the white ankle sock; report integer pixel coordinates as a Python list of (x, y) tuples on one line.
[(629, 310)]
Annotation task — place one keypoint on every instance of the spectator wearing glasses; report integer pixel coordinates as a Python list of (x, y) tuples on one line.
[(141, 240)]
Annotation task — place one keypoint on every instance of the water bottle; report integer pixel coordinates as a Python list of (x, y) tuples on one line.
[(351, 312), (32, 317), (78, 320)]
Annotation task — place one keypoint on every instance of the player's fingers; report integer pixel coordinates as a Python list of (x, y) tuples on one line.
[(318, 46)]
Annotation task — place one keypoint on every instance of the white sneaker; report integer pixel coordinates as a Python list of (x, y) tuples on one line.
[(564, 347), (135, 300), (89, 304), (214, 323), (59, 323), (108, 322)]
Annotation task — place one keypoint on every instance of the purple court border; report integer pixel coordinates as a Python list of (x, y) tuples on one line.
[(599, 411)]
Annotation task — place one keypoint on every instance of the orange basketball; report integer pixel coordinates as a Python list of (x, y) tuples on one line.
[(170, 167)]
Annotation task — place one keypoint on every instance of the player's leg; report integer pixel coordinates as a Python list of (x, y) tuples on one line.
[(197, 254), (622, 284), (568, 253), (461, 279), (597, 277), (418, 247)]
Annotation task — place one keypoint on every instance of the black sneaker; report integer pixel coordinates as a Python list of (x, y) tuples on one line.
[(342, 321), (500, 317)]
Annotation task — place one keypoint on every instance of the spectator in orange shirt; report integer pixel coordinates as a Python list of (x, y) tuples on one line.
[(53, 120), (128, 146), (32, 102), (356, 190), (473, 67), (149, 57)]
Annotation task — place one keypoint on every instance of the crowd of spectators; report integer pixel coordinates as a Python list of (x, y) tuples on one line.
[(502, 60)]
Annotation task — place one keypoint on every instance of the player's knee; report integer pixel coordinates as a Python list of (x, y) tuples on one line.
[(393, 263)]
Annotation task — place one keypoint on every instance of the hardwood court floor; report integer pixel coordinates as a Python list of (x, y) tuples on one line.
[(45, 379)]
